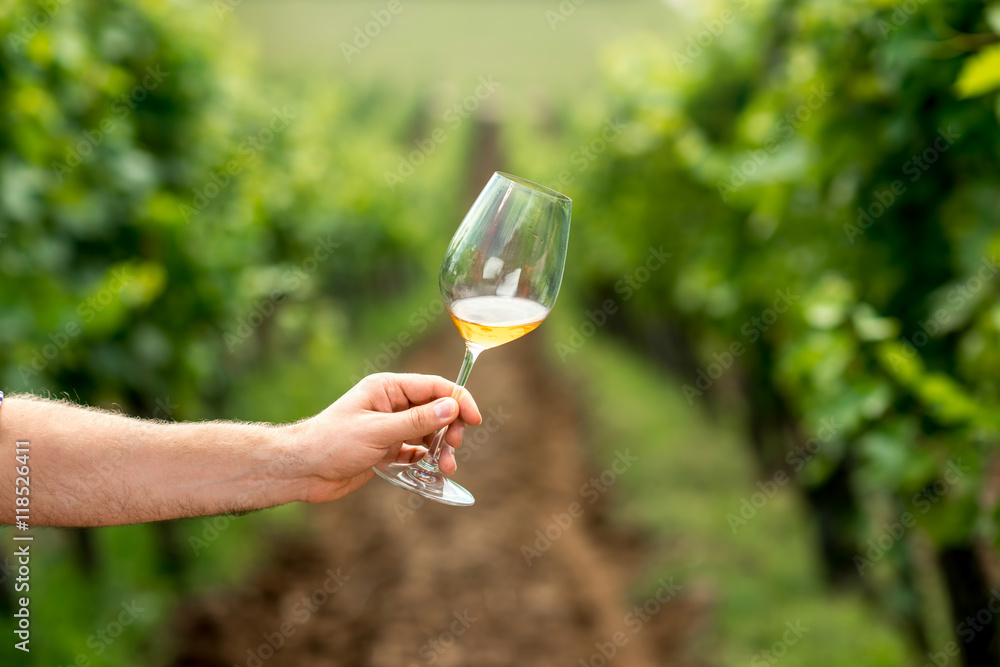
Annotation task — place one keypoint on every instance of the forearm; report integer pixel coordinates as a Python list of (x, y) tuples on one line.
[(93, 468)]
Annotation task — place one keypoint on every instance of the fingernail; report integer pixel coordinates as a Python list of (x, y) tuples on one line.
[(445, 407)]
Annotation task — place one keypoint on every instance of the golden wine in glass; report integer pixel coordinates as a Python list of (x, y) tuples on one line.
[(499, 279), (489, 321)]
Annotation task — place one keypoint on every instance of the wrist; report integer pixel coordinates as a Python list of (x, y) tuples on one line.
[(287, 468)]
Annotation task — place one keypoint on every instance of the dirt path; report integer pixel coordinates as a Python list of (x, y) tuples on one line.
[(422, 584)]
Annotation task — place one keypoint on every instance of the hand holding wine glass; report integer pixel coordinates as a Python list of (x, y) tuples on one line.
[(499, 279)]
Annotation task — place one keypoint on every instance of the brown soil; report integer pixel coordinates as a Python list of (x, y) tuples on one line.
[(419, 572)]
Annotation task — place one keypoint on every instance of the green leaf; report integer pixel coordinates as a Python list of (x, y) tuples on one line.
[(981, 73), (992, 14), (869, 326)]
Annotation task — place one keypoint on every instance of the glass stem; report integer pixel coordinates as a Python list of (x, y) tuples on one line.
[(437, 446)]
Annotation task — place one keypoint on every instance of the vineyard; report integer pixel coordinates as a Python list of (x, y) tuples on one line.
[(782, 297)]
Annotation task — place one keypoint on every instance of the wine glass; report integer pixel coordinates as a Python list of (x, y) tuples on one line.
[(499, 279)]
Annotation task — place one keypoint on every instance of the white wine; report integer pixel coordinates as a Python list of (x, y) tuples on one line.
[(489, 321)]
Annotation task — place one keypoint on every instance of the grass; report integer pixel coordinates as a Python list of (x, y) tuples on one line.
[(78, 617), (693, 472)]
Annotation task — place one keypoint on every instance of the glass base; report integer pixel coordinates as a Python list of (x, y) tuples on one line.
[(425, 482)]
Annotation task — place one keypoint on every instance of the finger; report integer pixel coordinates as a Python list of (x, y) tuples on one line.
[(468, 410), (393, 451), (410, 454), (416, 422), (413, 389), (446, 462), (456, 431)]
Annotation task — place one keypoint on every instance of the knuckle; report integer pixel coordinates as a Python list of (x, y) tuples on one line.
[(375, 381), (418, 419)]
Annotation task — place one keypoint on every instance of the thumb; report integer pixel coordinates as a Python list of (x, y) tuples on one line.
[(420, 420)]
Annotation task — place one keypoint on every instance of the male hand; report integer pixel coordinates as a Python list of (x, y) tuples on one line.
[(386, 416)]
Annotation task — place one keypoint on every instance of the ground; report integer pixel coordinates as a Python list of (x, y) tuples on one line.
[(424, 583)]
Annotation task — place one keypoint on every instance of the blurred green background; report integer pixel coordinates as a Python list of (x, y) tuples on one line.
[(229, 209)]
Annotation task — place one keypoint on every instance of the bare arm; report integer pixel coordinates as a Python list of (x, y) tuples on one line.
[(94, 468)]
